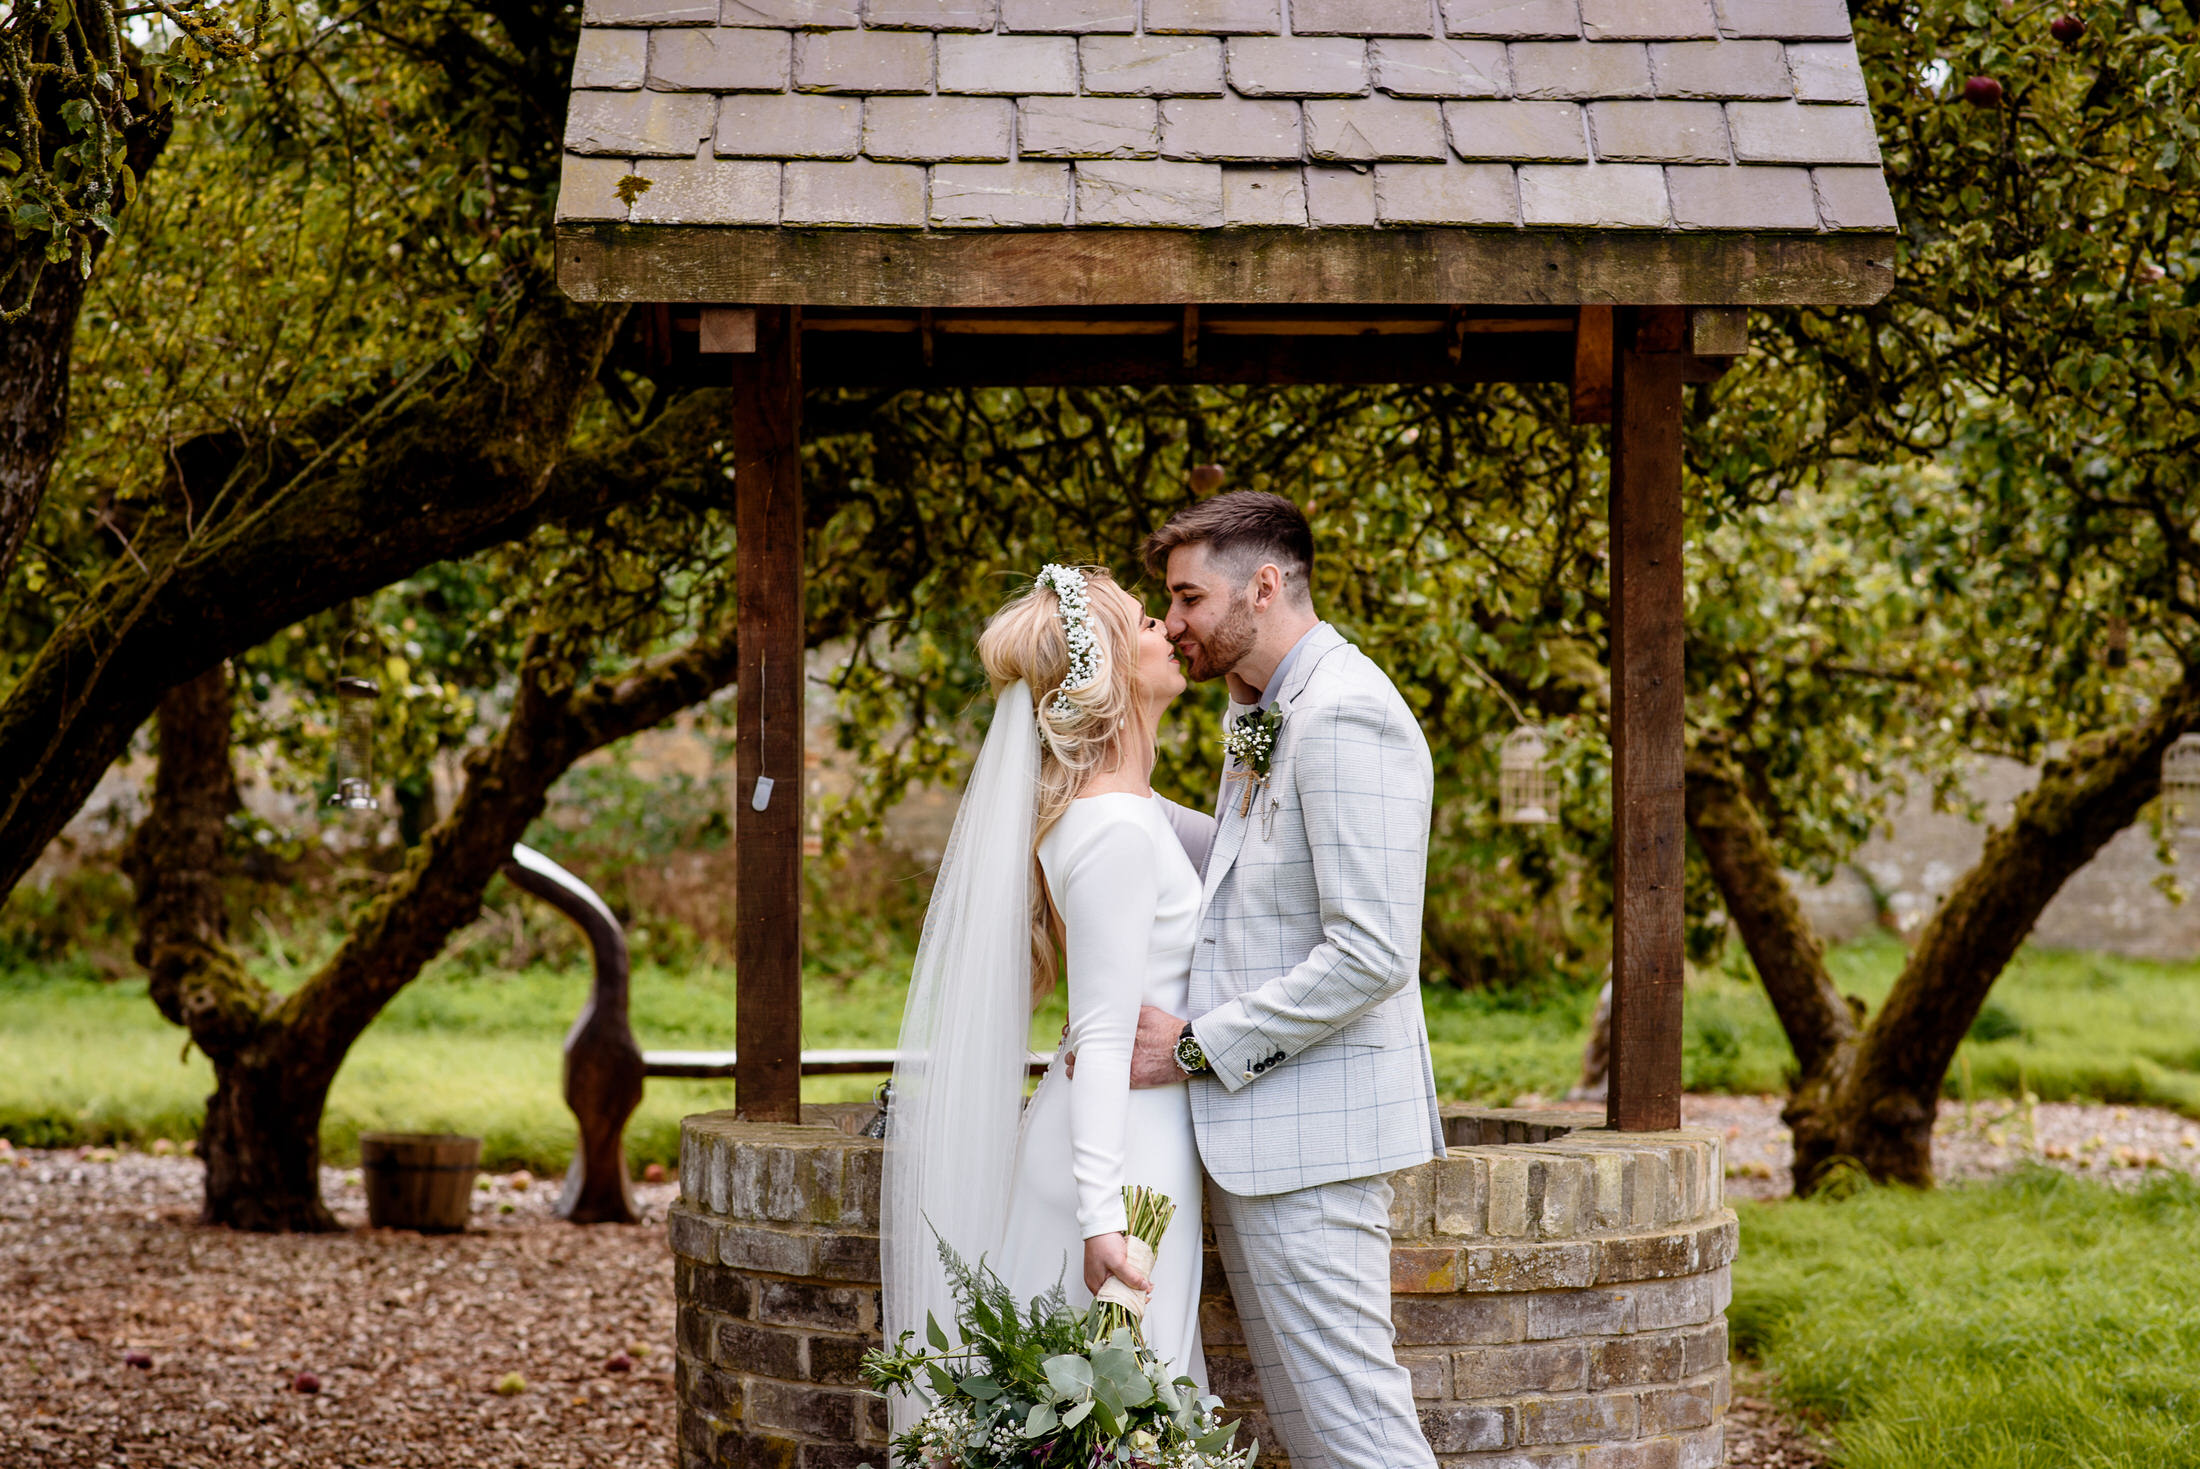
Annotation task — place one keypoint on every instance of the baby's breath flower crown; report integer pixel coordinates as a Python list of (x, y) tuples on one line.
[(1076, 612)]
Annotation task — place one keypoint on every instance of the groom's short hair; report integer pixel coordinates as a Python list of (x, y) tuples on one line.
[(1243, 529)]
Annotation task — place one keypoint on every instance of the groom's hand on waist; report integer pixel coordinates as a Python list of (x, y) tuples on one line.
[(1153, 1055)]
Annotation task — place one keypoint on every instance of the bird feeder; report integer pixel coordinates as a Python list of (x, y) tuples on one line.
[(2181, 788), (355, 701), (1527, 795)]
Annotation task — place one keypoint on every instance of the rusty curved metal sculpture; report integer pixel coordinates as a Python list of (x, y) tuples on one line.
[(603, 1065)]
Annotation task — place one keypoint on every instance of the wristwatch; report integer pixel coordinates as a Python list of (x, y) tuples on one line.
[(1191, 1059)]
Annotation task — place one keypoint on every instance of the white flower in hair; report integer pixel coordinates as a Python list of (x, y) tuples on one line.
[(1076, 612)]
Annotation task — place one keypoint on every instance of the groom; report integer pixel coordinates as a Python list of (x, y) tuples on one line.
[(1307, 1046)]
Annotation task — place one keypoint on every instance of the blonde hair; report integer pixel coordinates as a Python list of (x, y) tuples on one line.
[(1081, 731)]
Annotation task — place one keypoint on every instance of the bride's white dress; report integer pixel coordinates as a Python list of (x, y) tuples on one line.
[(1129, 898)]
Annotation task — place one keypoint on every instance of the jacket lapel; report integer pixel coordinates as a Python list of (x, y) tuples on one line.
[(1230, 828)]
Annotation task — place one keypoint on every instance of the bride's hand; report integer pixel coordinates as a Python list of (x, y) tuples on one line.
[(1109, 1254)]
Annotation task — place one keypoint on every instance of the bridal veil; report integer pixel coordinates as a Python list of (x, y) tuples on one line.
[(959, 1082)]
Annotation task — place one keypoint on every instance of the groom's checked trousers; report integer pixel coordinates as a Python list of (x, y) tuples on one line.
[(1310, 1270)]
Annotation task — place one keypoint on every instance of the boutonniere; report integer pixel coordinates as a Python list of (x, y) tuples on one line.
[(1250, 742)]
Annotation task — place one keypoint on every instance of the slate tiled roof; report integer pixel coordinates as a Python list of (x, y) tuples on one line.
[(955, 115)]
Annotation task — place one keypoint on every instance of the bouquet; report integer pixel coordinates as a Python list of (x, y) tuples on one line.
[(1147, 1213), (1045, 1387)]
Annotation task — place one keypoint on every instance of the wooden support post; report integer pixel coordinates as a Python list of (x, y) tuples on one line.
[(1593, 365), (1647, 710), (767, 433)]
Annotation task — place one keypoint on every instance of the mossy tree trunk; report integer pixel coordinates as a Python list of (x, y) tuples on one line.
[(1867, 1090), (35, 348), (275, 1056)]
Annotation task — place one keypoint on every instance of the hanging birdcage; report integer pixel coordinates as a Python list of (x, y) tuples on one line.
[(2181, 788), (1527, 792)]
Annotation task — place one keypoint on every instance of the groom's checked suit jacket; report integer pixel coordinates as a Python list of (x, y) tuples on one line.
[(1305, 979)]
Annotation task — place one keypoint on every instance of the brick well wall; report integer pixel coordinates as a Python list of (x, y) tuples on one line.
[(1559, 1296)]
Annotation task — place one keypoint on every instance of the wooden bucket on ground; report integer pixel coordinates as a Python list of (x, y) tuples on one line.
[(422, 1181)]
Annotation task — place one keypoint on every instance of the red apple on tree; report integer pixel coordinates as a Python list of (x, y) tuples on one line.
[(2066, 29), (1982, 92), (1206, 479)]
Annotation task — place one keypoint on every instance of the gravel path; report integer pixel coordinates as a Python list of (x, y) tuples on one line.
[(409, 1336), (2117, 1145)]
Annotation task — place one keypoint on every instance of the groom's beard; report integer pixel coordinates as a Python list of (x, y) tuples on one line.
[(1221, 650)]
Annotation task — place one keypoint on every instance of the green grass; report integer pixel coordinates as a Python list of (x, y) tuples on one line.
[(473, 1049), (2038, 1322), (85, 1061)]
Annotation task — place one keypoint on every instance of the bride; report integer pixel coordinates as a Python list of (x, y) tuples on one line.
[(1061, 853)]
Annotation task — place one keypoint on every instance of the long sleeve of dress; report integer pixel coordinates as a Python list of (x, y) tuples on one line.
[(1107, 896)]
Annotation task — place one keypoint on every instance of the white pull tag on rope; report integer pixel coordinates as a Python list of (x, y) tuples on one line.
[(763, 795)]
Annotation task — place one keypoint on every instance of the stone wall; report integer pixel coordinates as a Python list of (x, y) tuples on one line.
[(1559, 1296), (2110, 904)]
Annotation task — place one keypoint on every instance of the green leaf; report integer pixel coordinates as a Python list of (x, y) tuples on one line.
[(1077, 1414), (1070, 1377), (934, 1335), (1042, 1419), (981, 1387)]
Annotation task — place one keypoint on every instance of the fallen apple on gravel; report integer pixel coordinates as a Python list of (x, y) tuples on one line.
[(511, 1385), (618, 1362), (305, 1382), (143, 1361), (654, 1173)]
